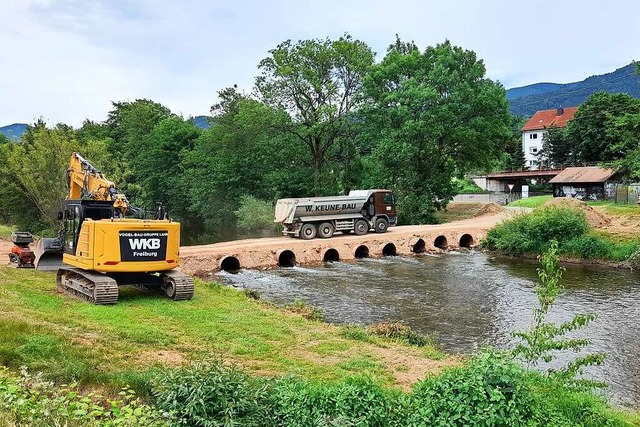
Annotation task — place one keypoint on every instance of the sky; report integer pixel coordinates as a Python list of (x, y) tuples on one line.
[(68, 60)]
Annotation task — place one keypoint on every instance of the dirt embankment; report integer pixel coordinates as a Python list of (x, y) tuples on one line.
[(596, 219)]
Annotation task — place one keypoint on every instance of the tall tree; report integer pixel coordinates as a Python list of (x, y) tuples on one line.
[(162, 172), (557, 148), (628, 128), (434, 114), (39, 166), (513, 156), (129, 124), (593, 131), (318, 83), (242, 154)]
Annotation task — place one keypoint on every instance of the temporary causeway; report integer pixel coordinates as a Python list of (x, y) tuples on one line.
[(288, 252)]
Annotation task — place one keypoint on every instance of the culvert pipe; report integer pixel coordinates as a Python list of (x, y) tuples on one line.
[(466, 241), (230, 264), (441, 242), (331, 255), (286, 258), (389, 250), (418, 246), (362, 251)]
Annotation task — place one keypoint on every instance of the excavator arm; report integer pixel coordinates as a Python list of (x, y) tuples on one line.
[(88, 183)]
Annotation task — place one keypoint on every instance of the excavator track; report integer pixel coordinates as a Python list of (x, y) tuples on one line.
[(95, 288), (177, 285)]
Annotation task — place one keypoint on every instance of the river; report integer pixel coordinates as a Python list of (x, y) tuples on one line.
[(470, 299)]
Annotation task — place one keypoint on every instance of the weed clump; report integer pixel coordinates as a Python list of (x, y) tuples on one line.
[(29, 400), (306, 311), (400, 332)]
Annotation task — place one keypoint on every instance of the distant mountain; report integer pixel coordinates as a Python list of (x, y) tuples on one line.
[(526, 100), (203, 122), (14, 132)]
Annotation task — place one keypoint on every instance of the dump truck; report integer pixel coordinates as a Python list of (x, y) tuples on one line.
[(359, 212)]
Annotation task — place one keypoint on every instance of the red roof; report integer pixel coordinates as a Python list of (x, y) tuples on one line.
[(545, 119)]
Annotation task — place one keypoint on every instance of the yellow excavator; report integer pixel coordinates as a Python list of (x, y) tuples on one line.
[(104, 242)]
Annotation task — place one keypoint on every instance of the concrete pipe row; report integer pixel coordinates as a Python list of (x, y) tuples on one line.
[(287, 257)]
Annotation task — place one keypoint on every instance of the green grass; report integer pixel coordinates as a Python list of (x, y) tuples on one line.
[(121, 344), (5, 231), (617, 209), (531, 202)]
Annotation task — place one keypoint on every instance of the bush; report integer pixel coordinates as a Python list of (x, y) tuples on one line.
[(587, 247), (491, 390), (488, 390), (254, 215), (354, 402), (212, 394), (531, 233), (30, 401)]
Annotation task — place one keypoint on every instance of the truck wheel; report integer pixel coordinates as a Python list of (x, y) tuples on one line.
[(308, 231), (325, 230), (381, 225), (361, 227)]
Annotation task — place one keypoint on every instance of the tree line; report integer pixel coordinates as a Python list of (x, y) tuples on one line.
[(323, 117)]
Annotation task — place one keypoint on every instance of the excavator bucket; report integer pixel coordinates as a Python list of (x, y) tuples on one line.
[(49, 254)]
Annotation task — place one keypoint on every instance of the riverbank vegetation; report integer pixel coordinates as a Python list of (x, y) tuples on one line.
[(531, 234), (226, 358)]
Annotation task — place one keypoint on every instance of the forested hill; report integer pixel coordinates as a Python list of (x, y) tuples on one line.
[(526, 100), (14, 131)]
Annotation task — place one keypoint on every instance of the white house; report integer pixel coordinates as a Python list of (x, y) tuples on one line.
[(534, 130)]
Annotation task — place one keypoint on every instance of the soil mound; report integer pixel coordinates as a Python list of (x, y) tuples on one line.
[(594, 218), (489, 209)]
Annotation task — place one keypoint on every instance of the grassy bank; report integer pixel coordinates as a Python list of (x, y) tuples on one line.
[(531, 202), (125, 343), (226, 359)]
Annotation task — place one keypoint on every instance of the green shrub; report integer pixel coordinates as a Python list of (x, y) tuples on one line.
[(510, 237), (254, 214), (531, 233), (587, 247), (30, 401), (622, 251), (354, 402), (212, 394), (491, 390)]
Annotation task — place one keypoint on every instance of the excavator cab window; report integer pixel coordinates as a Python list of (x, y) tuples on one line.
[(98, 213), (72, 221)]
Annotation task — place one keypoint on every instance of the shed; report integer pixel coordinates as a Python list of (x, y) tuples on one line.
[(585, 183)]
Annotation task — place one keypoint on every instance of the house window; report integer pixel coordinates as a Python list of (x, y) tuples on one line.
[(533, 163), (533, 136), (533, 150)]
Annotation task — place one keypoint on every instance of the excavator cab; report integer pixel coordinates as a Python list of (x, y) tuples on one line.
[(49, 250)]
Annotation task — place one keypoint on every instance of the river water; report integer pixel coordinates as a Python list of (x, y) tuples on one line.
[(470, 299)]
